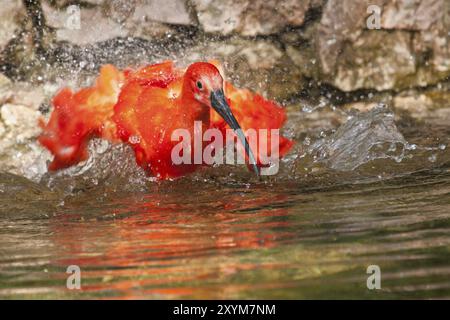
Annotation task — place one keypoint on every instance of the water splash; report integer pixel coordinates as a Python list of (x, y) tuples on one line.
[(364, 137), (110, 166)]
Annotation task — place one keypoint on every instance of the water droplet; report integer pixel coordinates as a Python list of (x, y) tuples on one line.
[(307, 141), (134, 139), (392, 147)]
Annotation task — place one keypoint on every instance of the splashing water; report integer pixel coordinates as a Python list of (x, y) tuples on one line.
[(110, 166), (364, 137)]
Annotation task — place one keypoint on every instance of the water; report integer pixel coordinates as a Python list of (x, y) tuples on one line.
[(310, 232)]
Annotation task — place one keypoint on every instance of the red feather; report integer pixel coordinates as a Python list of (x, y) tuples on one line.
[(142, 108)]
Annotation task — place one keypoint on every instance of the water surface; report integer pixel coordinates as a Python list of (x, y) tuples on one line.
[(310, 232)]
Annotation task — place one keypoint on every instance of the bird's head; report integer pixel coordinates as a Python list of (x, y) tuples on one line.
[(205, 82)]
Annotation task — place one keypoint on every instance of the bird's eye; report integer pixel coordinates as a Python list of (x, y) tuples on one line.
[(199, 85)]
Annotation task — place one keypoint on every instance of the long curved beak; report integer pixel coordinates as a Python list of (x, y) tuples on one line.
[(220, 104)]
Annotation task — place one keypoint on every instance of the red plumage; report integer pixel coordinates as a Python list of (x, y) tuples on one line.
[(142, 108)]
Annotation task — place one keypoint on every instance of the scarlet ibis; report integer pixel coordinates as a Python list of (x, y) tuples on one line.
[(142, 107)]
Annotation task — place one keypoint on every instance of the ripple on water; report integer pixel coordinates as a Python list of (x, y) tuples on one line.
[(309, 232)]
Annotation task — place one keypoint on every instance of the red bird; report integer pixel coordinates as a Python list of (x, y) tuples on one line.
[(143, 107)]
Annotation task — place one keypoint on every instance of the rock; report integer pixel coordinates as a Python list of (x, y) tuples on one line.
[(259, 65), (121, 18), (431, 21), (165, 11), (95, 2), (65, 3), (28, 159), (341, 21), (30, 96), (379, 60), (440, 95), (21, 121), (301, 47), (432, 46), (148, 30), (156, 19), (306, 60), (220, 16), (250, 18), (10, 13), (93, 25), (5, 91), (352, 57), (417, 105), (4, 81), (21, 94), (421, 107), (20, 153), (412, 14), (431, 105), (360, 106)]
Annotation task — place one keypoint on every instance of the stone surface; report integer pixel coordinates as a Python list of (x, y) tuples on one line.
[(21, 121), (65, 3), (21, 94), (155, 19), (94, 25), (120, 18), (341, 21), (250, 18), (165, 11), (431, 105), (422, 104), (414, 53), (379, 60), (5, 89), (433, 47), (19, 151), (334, 47), (412, 14), (305, 59), (10, 13)]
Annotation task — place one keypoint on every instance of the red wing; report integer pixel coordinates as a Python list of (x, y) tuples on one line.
[(155, 75), (146, 116), (79, 116)]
